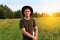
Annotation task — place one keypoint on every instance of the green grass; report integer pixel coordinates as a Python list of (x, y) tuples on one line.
[(49, 29), (9, 30)]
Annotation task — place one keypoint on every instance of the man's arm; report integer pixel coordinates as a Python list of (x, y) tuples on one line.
[(26, 33), (36, 30), (36, 33)]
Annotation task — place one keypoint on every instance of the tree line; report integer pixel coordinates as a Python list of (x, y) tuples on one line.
[(7, 13)]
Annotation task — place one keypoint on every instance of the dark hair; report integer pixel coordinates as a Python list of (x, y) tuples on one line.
[(27, 7)]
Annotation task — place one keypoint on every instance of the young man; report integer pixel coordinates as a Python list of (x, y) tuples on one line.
[(28, 25)]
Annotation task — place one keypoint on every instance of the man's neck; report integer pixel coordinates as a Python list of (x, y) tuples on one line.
[(27, 18)]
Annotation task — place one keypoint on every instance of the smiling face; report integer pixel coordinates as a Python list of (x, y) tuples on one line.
[(27, 12)]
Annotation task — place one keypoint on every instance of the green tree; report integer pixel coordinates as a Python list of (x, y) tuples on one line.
[(18, 14), (6, 12)]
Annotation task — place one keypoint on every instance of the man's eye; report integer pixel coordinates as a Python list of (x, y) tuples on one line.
[(26, 11)]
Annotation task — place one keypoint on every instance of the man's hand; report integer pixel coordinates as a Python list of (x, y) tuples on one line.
[(36, 35), (35, 38)]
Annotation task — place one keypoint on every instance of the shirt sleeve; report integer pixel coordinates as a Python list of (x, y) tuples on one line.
[(21, 24), (34, 23)]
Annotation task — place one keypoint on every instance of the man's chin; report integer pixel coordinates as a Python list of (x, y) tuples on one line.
[(27, 16)]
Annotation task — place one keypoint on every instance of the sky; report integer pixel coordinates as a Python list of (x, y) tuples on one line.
[(47, 6)]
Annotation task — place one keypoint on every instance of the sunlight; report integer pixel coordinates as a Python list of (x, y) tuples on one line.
[(49, 21), (50, 14)]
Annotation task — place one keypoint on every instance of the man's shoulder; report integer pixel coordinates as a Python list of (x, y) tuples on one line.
[(21, 19), (33, 19)]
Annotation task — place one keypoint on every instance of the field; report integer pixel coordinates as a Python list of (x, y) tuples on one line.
[(49, 29)]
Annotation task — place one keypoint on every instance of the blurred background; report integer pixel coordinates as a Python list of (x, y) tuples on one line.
[(46, 14)]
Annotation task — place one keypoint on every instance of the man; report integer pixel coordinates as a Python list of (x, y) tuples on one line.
[(28, 25)]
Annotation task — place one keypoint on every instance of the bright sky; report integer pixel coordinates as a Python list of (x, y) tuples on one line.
[(47, 6)]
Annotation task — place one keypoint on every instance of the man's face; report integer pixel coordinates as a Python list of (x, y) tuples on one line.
[(27, 12)]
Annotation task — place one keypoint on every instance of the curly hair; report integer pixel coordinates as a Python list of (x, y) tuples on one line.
[(27, 7)]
